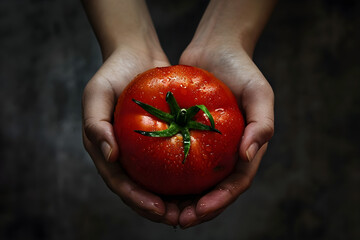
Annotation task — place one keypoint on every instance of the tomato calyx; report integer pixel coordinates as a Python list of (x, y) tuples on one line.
[(179, 120)]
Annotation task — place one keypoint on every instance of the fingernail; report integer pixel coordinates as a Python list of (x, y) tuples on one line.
[(251, 151), (106, 150)]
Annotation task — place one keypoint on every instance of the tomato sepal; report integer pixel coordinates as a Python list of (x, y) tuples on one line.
[(155, 112), (200, 126), (180, 120), (186, 141), (169, 132)]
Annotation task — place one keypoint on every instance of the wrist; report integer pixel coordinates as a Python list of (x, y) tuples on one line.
[(234, 22), (119, 23), (143, 41)]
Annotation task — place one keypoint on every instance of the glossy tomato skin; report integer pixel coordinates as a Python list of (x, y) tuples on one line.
[(156, 163)]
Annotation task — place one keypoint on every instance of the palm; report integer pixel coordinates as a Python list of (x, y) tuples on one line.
[(121, 67)]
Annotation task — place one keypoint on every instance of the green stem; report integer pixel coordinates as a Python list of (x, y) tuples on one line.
[(181, 117), (180, 120)]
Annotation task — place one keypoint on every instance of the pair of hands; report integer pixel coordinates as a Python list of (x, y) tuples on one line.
[(228, 62)]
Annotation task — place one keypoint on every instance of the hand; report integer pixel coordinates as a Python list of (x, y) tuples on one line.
[(99, 99), (223, 44), (232, 64), (120, 27), (129, 45)]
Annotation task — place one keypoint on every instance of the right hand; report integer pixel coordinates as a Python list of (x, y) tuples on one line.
[(99, 99)]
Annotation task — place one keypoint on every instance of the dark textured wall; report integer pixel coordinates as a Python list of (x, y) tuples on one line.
[(307, 186)]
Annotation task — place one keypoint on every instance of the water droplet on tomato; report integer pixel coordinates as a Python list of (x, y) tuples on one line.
[(208, 148), (220, 111)]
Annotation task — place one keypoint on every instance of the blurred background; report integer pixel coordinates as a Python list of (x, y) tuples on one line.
[(307, 186)]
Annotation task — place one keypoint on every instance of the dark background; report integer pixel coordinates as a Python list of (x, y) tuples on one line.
[(307, 186)]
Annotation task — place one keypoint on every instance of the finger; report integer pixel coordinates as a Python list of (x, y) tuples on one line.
[(138, 198), (171, 217), (98, 105), (141, 201), (258, 105), (188, 216), (229, 190)]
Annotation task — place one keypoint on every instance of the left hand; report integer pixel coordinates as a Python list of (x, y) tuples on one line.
[(233, 65)]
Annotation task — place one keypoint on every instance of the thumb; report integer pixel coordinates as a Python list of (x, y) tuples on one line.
[(258, 105), (100, 134), (97, 104)]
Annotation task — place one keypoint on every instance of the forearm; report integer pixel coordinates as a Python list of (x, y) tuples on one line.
[(121, 22), (239, 21)]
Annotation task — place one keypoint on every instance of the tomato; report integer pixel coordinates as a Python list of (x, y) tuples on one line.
[(178, 129)]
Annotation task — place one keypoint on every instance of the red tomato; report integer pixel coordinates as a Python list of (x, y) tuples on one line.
[(190, 161)]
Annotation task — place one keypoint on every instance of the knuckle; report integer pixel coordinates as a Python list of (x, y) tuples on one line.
[(86, 143), (89, 127), (116, 183), (247, 182), (229, 190), (113, 184), (269, 128), (236, 188), (86, 92)]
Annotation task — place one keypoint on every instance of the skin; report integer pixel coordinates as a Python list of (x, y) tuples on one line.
[(223, 44)]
